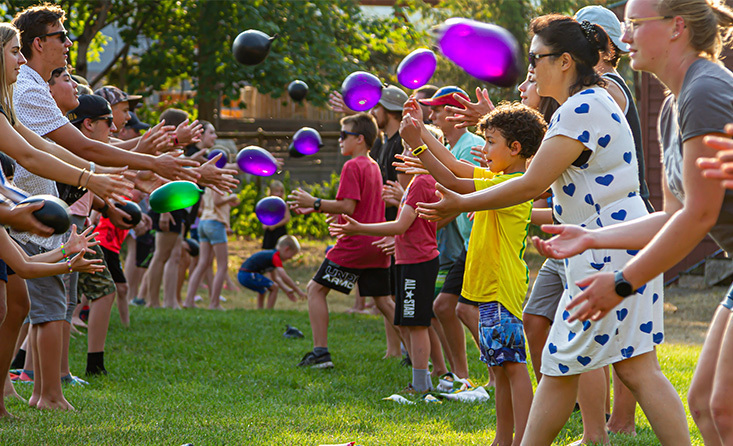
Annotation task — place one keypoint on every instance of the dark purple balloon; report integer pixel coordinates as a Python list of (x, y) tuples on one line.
[(416, 68), (271, 210), (256, 161), (361, 90), (221, 162), (307, 141), (485, 51), (298, 90)]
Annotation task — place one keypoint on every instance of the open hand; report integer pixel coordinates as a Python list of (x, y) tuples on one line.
[(569, 240), (597, 299), (350, 227), (472, 111), (83, 265), (449, 204)]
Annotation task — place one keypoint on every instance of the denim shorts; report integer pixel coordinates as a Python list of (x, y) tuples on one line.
[(212, 232), (254, 281), (501, 335)]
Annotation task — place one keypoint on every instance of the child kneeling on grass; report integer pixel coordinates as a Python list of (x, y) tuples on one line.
[(251, 272), (496, 275), (416, 261)]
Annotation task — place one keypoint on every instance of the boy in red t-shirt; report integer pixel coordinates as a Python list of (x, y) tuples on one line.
[(354, 259), (416, 260)]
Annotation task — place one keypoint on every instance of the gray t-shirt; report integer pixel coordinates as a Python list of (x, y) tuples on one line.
[(705, 105)]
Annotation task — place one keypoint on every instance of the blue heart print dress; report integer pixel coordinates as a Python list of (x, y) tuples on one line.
[(599, 190)]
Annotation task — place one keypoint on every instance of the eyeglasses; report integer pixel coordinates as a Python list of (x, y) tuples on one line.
[(63, 35), (344, 134), (630, 24), (108, 119), (533, 58)]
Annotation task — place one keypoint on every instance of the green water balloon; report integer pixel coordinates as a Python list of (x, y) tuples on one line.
[(174, 195)]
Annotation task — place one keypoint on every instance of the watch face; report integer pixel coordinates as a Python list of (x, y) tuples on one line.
[(624, 289)]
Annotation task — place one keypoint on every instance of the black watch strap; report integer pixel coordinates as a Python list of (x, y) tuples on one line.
[(317, 204), (104, 209), (623, 287)]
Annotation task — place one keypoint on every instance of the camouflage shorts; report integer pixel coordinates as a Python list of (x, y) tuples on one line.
[(96, 285)]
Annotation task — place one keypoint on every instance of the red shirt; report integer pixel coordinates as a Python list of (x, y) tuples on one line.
[(110, 236), (418, 244), (361, 180)]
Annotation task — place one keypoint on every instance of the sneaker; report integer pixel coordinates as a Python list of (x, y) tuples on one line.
[(445, 382), (138, 302), (292, 332), (73, 380), (406, 361), (468, 395), (317, 362), (428, 398), (197, 298), (398, 399)]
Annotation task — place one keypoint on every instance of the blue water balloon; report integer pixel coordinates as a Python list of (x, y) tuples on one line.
[(416, 68), (271, 210), (485, 51), (256, 161), (221, 162), (361, 90), (307, 141)]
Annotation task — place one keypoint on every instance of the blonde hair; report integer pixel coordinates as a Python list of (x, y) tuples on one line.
[(710, 23), (288, 241), (276, 184), (7, 32)]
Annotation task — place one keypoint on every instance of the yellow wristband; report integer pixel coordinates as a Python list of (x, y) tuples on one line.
[(419, 149)]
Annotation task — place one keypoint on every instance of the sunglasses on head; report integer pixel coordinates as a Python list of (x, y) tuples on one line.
[(62, 35), (344, 134)]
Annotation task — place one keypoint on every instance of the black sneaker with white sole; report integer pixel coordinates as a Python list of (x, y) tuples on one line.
[(316, 361)]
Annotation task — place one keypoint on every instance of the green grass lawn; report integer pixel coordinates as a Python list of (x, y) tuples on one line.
[(229, 378)]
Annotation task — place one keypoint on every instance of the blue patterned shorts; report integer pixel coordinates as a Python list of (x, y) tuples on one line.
[(501, 335)]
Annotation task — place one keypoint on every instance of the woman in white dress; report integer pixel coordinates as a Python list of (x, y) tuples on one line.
[(588, 158)]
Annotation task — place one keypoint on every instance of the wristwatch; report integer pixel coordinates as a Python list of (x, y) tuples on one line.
[(623, 287), (317, 205)]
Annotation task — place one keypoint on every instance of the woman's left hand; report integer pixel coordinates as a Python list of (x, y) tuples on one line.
[(597, 298)]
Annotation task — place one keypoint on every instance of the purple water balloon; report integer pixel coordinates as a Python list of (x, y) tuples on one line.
[(270, 210), (416, 68), (485, 51), (361, 90), (256, 161), (221, 162), (307, 141)]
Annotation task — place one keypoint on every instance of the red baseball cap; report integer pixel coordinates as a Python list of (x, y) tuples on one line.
[(444, 96)]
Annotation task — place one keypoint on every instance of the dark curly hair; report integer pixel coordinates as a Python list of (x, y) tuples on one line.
[(516, 122), (584, 42)]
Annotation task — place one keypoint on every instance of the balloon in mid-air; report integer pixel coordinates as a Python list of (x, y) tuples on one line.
[(485, 51), (298, 90), (54, 213), (271, 210), (307, 141), (256, 161), (361, 90), (133, 210), (252, 46), (417, 68), (221, 162), (293, 152), (174, 195)]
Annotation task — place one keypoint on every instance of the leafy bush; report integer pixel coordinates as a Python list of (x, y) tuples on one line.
[(313, 225)]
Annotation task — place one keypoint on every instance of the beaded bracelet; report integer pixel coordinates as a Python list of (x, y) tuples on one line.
[(68, 263), (63, 251)]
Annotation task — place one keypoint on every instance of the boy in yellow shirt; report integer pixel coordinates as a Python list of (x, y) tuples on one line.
[(496, 275)]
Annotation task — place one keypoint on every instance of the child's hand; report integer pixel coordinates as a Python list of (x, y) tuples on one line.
[(188, 133), (386, 244), (479, 155), (291, 295), (301, 294), (410, 131), (337, 104), (410, 165), (569, 240), (80, 242), (450, 204), (351, 227), (392, 193), (413, 108), (83, 265), (300, 199), (471, 112)]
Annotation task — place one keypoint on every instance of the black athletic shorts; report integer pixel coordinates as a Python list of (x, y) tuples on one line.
[(112, 259), (453, 283), (373, 282), (415, 293)]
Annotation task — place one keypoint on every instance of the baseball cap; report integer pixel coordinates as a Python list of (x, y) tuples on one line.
[(135, 123), (607, 19), (393, 98), (90, 106), (114, 96), (444, 96)]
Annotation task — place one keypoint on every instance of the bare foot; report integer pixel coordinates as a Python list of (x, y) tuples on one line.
[(6, 416), (33, 402), (49, 404), (618, 428), (218, 307), (389, 354), (189, 306), (9, 391), (152, 305)]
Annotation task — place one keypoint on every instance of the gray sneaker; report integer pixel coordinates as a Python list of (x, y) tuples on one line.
[(316, 361)]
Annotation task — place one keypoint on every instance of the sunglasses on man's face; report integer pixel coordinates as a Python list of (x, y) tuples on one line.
[(62, 35), (108, 119)]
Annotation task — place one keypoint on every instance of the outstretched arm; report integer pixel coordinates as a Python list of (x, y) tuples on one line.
[(398, 227)]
